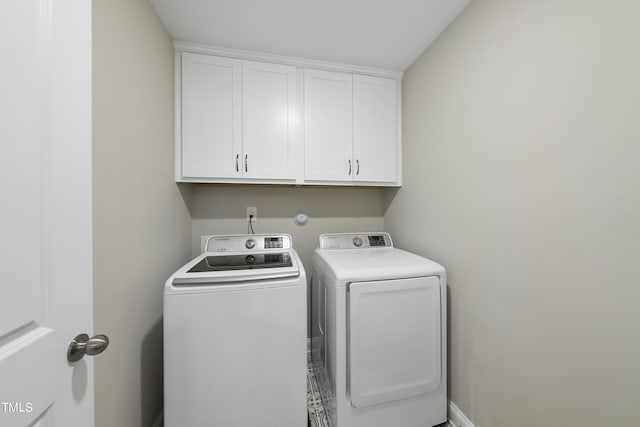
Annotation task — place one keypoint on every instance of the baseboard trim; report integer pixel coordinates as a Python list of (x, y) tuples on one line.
[(457, 418), (159, 422)]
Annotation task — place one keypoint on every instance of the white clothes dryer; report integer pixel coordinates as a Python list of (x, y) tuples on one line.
[(235, 336), (378, 333)]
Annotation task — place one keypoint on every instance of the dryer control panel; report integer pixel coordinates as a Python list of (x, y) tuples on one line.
[(355, 241)]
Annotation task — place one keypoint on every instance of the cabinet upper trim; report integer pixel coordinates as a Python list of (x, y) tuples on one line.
[(288, 60)]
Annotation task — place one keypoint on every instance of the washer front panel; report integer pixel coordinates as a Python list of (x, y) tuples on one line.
[(236, 357)]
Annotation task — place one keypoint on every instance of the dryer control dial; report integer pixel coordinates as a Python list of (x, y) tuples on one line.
[(250, 244), (357, 241)]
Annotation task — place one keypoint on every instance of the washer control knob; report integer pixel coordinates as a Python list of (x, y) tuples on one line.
[(250, 259), (250, 244), (357, 241)]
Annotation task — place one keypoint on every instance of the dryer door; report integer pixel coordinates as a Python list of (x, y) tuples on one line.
[(394, 339)]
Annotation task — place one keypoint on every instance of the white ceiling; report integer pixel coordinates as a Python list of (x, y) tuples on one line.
[(388, 34)]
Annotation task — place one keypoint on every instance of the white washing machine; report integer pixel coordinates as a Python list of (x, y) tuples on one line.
[(235, 327), (378, 333)]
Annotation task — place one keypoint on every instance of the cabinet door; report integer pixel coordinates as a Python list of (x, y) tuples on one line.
[(328, 131), (211, 116), (268, 113), (375, 129)]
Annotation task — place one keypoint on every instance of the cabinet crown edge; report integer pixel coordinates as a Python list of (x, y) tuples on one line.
[(180, 46)]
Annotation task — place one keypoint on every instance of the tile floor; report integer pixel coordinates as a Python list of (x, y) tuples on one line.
[(315, 406)]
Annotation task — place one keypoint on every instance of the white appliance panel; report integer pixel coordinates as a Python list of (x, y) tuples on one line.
[(226, 349), (394, 341), (235, 340)]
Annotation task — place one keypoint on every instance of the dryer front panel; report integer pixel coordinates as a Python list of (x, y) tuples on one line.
[(394, 340)]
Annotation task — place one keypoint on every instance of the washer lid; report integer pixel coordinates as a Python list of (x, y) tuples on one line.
[(242, 262), (213, 269)]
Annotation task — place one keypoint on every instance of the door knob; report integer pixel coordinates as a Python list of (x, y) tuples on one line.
[(82, 345)]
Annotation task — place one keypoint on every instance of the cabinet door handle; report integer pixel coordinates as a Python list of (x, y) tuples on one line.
[(349, 173), (357, 167), (246, 163), (237, 165)]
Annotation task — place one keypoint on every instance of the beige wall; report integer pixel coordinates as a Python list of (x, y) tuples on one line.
[(222, 210), (142, 227), (522, 140)]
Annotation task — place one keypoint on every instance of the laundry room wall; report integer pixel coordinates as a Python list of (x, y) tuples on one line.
[(222, 210), (142, 228), (521, 148)]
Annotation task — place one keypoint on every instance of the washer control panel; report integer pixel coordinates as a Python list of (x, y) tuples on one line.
[(248, 243), (355, 241)]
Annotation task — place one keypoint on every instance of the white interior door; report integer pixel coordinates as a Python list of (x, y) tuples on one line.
[(45, 227)]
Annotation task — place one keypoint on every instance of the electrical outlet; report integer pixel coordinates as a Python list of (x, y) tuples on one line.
[(252, 210)]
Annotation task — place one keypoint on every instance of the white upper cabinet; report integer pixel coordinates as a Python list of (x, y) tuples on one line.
[(211, 116), (237, 120), (268, 114), (351, 129), (249, 119), (375, 129), (328, 126)]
